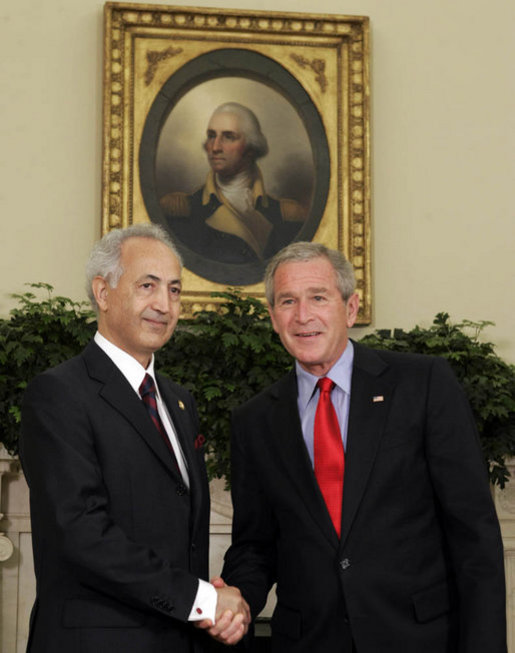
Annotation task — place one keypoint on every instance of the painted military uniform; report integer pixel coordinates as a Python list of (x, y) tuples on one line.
[(207, 223)]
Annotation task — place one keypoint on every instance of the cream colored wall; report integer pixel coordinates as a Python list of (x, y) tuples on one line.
[(443, 137)]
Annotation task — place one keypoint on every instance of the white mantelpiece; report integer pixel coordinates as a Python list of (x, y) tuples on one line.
[(17, 583), (505, 504)]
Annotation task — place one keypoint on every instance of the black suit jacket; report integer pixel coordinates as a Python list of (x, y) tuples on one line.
[(419, 566), (119, 542)]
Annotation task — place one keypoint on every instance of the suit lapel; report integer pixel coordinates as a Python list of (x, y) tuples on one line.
[(371, 397), (288, 442), (118, 393), (182, 426), (182, 423)]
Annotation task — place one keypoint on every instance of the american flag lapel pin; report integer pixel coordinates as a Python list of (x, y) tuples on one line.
[(181, 405), (377, 399)]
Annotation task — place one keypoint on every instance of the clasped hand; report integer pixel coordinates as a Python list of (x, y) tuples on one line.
[(232, 614)]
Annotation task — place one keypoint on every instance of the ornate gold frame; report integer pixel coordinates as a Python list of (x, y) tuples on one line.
[(328, 55)]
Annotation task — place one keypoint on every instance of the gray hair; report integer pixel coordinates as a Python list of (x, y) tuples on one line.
[(104, 259), (250, 127), (304, 251)]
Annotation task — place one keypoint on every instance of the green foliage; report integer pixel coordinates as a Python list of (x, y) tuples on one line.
[(489, 382), (39, 334), (226, 357)]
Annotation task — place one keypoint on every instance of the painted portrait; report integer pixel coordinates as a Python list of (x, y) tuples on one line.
[(234, 164), (238, 132)]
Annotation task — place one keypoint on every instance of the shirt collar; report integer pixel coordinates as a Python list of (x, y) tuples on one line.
[(258, 188), (133, 371), (340, 373)]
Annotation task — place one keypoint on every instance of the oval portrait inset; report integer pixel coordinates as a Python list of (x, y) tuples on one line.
[(234, 163)]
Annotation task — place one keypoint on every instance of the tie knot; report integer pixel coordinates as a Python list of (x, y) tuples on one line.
[(147, 386), (325, 384)]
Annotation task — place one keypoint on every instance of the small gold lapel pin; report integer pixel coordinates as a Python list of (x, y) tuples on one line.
[(181, 405), (377, 398)]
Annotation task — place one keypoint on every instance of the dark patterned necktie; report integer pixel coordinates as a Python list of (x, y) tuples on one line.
[(329, 453), (147, 391)]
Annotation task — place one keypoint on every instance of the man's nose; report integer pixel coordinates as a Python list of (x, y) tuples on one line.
[(161, 300), (217, 143), (303, 312)]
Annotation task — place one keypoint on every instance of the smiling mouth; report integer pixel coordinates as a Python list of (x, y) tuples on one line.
[(155, 322), (309, 334)]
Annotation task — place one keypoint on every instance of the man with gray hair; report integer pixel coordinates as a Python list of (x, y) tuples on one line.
[(359, 487), (231, 218), (114, 461)]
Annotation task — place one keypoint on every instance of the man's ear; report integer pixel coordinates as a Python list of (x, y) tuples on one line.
[(100, 289), (250, 154), (352, 309), (271, 313)]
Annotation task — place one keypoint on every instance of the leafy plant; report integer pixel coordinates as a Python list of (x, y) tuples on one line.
[(226, 357), (39, 334)]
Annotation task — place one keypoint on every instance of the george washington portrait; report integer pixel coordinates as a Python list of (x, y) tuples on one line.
[(237, 171)]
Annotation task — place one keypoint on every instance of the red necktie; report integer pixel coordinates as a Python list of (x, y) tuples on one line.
[(329, 454), (147, 391)]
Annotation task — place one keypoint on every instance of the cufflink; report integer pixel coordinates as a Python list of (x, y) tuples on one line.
[(181, 405), (198, 610)]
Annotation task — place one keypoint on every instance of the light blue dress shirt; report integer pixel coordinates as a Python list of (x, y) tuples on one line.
[(307, 400)]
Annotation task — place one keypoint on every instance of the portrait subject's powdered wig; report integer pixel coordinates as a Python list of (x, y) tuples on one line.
[(249, 125), (304, 251), (104, 259)]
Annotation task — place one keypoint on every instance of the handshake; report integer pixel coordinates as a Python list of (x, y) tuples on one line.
[(232, 615)]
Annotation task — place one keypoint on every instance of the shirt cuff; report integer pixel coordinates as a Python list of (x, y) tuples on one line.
[(204, 605)]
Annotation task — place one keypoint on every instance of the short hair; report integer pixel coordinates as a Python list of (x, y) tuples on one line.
[(250, 127), (304, 251), (104, 259)]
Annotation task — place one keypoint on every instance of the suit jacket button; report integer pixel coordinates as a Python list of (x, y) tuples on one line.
[(181, 489), (345, 564)]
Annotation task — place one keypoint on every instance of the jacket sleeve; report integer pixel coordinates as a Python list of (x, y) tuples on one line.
[(250, 562), (459, 477)]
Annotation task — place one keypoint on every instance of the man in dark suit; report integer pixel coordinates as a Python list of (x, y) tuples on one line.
[(367, 504), (118, 488)]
